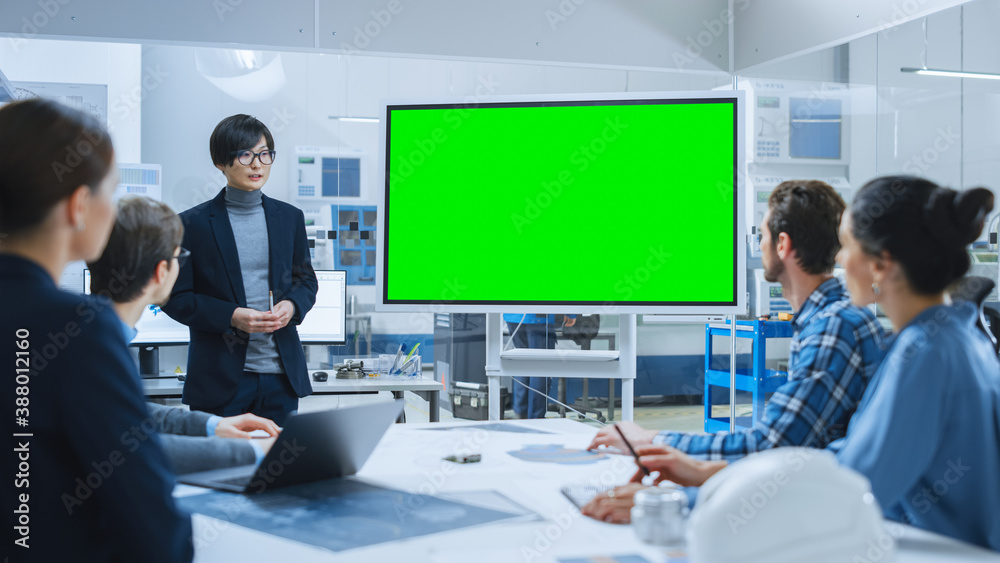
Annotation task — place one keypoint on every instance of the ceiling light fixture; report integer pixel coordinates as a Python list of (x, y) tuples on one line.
[(356, 119), (952, 73)]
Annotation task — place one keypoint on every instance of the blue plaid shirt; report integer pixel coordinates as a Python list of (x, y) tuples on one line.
[(835, 349)]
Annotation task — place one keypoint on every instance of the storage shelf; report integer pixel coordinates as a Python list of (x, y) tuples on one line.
[(757, 380)]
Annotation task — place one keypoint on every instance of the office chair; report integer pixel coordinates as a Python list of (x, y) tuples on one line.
[(974, 289), (582, 333)]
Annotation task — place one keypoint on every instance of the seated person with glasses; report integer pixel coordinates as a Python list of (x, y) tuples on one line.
[(247, 252), (144, 243)]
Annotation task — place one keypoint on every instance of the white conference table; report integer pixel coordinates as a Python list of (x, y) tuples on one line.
[(409, 458), (425, 387)]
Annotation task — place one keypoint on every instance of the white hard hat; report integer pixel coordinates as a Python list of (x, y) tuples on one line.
[(788, 505)]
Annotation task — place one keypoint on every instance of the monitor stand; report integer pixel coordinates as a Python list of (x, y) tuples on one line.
[(149, 361)]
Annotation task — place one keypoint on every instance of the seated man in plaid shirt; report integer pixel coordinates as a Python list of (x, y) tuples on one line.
[(835, 346)]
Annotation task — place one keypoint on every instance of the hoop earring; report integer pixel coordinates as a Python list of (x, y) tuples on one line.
[(875, 289)]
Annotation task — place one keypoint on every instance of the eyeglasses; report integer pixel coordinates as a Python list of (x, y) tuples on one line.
[(246, 157), (182, 257)]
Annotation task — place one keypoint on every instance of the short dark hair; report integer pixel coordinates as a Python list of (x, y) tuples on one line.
[(922, 226), (146, 232), (809, 212), (236, 133), (47, 151)]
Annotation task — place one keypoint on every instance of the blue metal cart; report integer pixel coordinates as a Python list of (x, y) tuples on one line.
[(758, 380)]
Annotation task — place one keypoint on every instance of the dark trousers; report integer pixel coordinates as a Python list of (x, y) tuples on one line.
[(269, 395), (529, 403)]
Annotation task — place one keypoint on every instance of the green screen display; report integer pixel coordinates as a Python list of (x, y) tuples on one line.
[(561, 203)]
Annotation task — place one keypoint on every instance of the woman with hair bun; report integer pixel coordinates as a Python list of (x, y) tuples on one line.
[(84, 477), (927, 431)]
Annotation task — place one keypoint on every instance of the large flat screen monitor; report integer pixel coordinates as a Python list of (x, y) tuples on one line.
[(617, 203), (326, 322)]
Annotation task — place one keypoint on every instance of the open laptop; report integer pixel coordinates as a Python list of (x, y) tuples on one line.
[(312, 447)]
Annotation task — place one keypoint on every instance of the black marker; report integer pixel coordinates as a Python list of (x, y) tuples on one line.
[(629, 446)]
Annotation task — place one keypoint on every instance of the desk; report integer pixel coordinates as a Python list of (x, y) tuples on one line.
[(424, 387), (601, 364), (409, 458), (608, 337)]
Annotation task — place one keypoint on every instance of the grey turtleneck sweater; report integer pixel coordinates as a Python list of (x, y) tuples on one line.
[(246, 214)]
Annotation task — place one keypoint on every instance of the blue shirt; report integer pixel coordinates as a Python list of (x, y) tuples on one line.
[(834, 352), (927, 432)]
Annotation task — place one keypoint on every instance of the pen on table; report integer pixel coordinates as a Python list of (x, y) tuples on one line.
[(412, 350), (405, 361), (635, 455), (395, 361), (270, 299)]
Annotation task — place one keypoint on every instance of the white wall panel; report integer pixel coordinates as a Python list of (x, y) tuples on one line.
[(244, 22), (772, 30), (627, 33)]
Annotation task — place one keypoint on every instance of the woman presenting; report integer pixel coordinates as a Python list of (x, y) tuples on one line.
[(248, 251)]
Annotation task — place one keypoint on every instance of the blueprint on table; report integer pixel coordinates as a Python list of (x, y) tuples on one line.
[(341, 514)]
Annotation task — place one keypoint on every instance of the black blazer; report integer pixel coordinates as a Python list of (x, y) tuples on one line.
[(97, 482), (210, 287)]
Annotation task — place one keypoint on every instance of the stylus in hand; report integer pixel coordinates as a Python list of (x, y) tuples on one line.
[(629, 446)]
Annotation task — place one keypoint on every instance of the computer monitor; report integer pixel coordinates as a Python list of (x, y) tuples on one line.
[(587, 203), (326, 322), (154, 327)]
